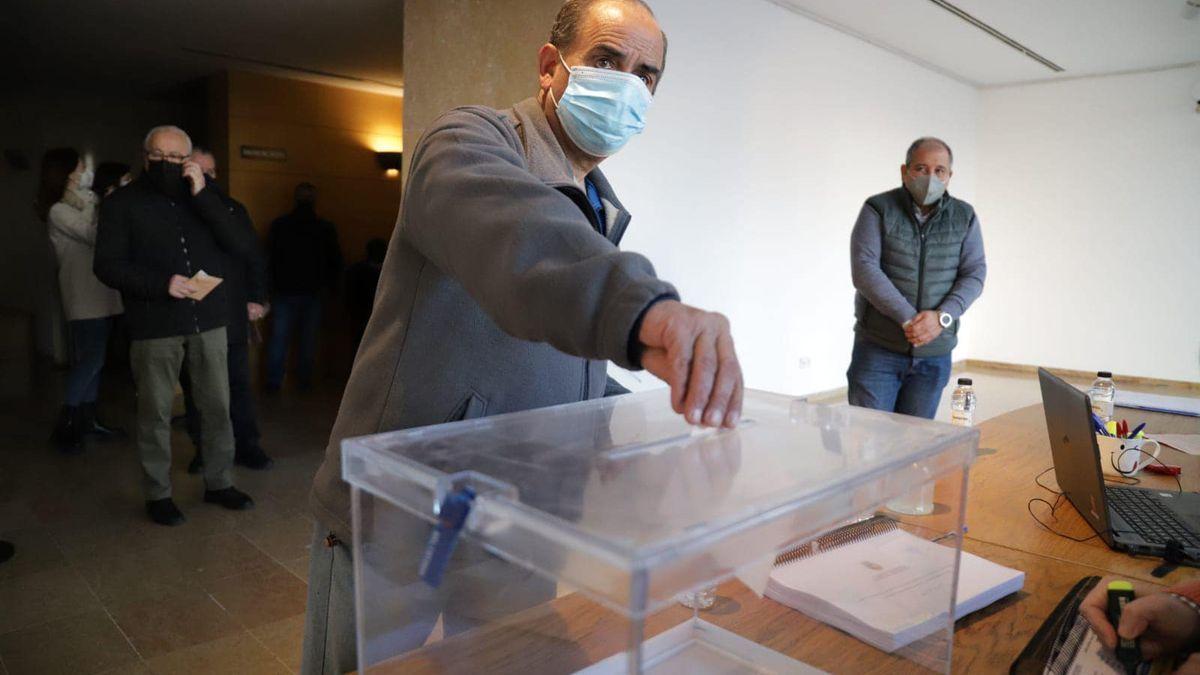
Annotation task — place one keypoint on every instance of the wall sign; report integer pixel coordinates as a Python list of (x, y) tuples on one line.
[(260, 152)]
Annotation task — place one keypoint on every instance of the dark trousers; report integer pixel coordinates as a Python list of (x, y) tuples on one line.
[(300, 314), (884, 380), (89, 346), (242, 411)]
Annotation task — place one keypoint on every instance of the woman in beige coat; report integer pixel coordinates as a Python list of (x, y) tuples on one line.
[(67, 205)]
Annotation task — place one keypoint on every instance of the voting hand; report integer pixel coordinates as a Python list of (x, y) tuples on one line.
[(180, 287), (692, 351), (1163, 623), (923, 328)]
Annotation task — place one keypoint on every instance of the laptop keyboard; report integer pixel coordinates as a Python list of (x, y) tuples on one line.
[(1153, 521)]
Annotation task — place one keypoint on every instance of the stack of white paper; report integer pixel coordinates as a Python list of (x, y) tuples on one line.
[(890, 589)]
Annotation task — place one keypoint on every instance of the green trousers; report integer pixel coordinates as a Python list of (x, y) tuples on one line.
[(156, 365)]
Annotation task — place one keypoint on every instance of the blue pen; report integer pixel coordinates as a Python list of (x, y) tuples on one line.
[(1098, 425), (1137, 430)]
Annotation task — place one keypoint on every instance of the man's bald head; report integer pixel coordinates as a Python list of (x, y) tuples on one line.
[(574, 13)]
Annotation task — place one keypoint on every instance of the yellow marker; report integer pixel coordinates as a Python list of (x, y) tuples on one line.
[(1111, 427)]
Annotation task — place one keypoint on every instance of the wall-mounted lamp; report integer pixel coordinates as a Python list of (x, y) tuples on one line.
[(389, 162)]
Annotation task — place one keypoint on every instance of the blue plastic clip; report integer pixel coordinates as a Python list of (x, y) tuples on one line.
[(451, 518)]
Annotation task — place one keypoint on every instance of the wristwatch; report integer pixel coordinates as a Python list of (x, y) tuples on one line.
[(945, 319)]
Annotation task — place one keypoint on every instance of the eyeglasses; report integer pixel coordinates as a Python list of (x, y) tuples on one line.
[(158, 156)]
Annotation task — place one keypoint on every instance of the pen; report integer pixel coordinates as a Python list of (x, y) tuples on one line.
[(1099, 424), (1137, 430)]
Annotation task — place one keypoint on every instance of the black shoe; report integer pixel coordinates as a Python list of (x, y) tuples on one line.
[(254, 458), (67, 437), (197, 464), (164, 512), (7, 550), (91, 425), (231, 498)]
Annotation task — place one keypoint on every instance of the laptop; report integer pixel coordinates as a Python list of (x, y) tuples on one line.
[(1136, 520)]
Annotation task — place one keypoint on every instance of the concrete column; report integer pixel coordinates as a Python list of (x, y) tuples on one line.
[(463, 52)]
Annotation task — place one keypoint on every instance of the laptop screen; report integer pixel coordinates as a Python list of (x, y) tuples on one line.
[(1076, 454)]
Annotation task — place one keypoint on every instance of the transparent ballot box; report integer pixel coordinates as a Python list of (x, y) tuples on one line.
[(611, 537)]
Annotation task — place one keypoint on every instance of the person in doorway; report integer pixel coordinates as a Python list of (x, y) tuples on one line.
[(67, 204), (305, 262), (504, 289), (361, 280), (246, 287), (916, 258), (156, 235)]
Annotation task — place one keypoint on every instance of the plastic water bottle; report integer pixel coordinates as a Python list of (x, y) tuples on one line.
[(962, 404), (1101, 394)]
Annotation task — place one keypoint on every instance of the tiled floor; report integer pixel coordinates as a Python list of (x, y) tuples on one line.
[(96, 588)]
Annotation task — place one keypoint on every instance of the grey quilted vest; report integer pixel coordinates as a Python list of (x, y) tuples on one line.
[(921, 261)]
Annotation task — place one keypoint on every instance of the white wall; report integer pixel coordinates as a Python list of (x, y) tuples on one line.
[(1089, 196), (767, 133)]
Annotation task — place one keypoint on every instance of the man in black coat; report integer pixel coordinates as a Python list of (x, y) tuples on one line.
[(246, 286), (155, 237), (305, 260)]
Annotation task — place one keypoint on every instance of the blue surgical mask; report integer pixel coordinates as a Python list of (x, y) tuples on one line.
[(601, 109), (926, 190)]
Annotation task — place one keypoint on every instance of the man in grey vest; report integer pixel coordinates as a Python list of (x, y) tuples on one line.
[(916, 256)]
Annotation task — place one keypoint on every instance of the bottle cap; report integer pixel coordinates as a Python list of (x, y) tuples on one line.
[(1104, 373), (965, 380)]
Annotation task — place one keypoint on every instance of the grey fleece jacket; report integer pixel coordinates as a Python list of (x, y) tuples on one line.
[(498, 294)]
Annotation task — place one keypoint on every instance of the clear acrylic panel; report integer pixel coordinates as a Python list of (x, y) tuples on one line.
[(590, 519)]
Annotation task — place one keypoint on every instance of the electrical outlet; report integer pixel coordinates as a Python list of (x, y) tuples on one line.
[(803, 362)]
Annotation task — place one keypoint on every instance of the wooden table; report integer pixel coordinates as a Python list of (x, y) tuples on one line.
[(573, 632), (1015, 449)]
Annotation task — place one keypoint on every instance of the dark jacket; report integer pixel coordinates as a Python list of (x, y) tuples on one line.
[(304, 254), (498, 293), (246, 276), (144, 238)]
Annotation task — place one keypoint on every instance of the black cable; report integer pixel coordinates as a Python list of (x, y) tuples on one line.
[(1053, 508), (1115, 462), (1038, 479)]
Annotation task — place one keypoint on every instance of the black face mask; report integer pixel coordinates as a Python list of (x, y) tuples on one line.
[(306, 208), (167, 178)]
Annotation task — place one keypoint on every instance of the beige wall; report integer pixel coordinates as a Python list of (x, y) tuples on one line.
[(460, 52), (330, 135)]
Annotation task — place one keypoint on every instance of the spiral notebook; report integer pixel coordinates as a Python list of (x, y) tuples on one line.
[(883, 585)]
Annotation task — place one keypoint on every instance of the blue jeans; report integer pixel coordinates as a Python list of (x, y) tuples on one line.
[(884, 380), (301, 313), (89, 345)]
